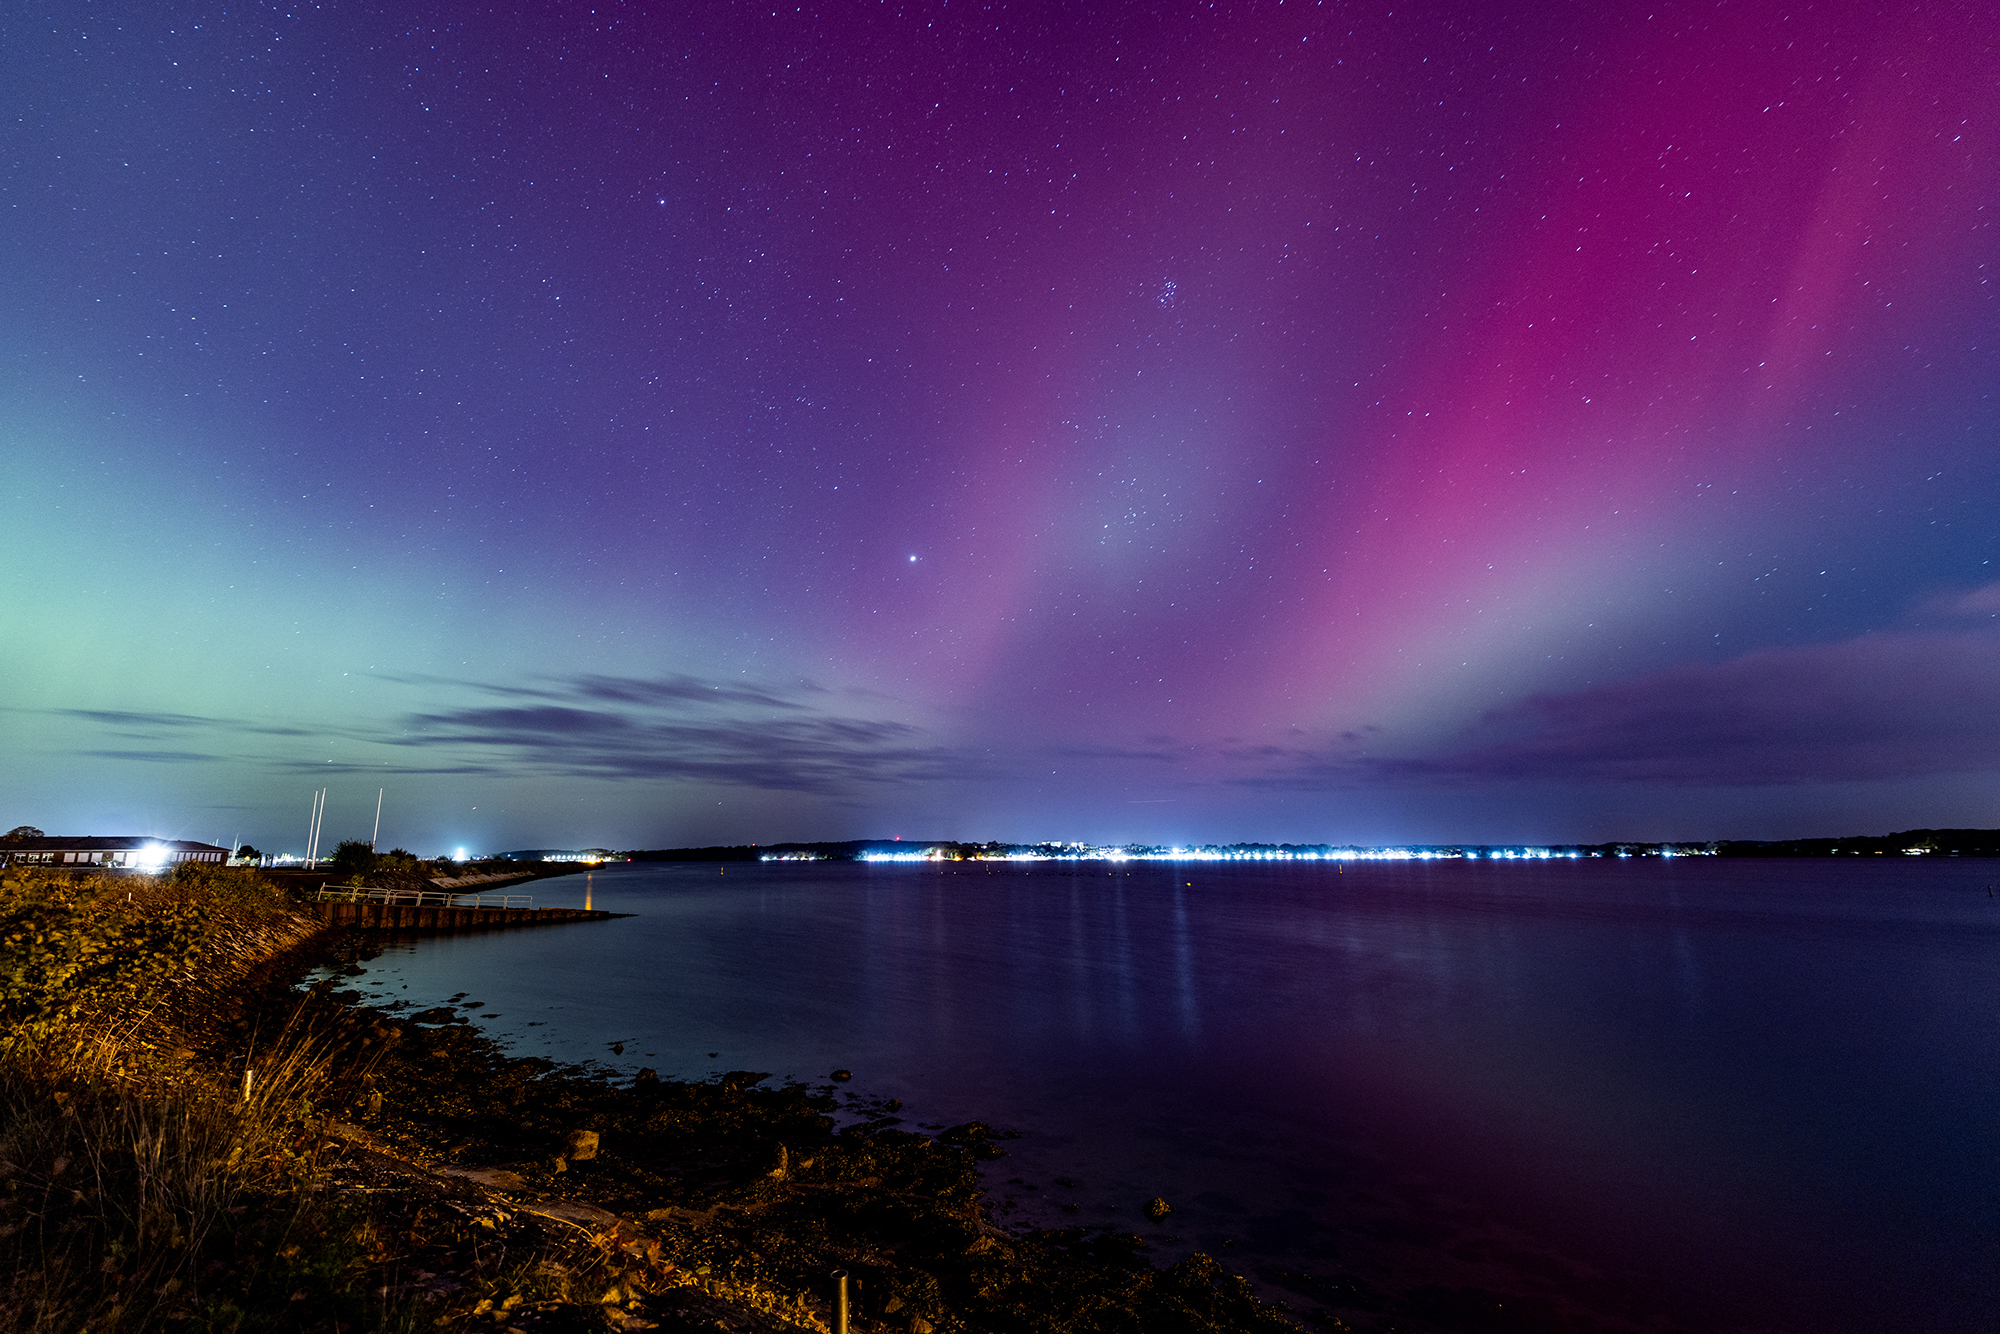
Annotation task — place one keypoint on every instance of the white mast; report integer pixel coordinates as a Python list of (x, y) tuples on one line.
[(319, 811), (378, 820)]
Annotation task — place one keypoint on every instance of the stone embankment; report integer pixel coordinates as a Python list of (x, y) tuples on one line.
[(379, 915)]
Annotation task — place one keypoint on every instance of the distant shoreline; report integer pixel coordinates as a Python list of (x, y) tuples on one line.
[(1904, 843)]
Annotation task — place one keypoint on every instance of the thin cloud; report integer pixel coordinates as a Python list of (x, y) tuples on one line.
[(462, 683), (676, 726), (1879, 707), (668, 690), (505, 726), (1978, 604), (1168, 754), (345, 767), (134, 718), (825, 755), (674, 690), (138, 722)]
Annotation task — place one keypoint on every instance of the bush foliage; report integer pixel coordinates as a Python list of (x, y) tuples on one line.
[(74, 948)]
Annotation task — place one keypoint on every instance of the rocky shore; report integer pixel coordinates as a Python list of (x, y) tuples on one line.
[(535, 1195)]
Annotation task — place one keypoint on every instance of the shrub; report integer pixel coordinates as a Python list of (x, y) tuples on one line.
[(353, 857), (74, 949)]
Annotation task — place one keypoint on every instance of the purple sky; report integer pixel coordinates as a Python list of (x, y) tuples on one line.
[(663, 424)]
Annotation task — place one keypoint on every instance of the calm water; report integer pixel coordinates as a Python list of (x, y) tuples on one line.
[(1692, 1094)]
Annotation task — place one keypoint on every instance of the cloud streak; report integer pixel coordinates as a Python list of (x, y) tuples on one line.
[(146, 722), (1880, 707), (1892, 706), (821, 754), (670, 727)]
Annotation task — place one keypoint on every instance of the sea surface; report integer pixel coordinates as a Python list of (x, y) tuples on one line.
[(1695, 1094)]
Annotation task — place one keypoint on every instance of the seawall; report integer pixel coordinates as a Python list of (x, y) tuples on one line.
[(376, 916)]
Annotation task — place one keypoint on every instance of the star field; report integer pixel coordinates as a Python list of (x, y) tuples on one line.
[(691, 423)]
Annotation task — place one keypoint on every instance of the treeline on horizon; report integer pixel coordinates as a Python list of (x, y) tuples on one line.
[(1925, 842), (1930, 842)]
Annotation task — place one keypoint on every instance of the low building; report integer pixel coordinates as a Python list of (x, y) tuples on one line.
[(109, 854)]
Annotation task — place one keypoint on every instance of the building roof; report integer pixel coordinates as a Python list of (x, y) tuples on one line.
[(97, 844)]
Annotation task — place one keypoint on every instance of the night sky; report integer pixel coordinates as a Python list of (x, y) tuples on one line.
[(651, 424)]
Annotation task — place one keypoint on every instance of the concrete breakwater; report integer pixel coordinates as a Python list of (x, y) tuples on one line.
[(378, 915)]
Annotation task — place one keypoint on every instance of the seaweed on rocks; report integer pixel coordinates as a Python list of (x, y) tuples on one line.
[(735, 1193)]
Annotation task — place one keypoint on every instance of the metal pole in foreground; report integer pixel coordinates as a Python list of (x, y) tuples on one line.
[(840, 1301)]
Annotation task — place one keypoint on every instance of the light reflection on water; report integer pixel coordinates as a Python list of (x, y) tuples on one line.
[(1743, 1094)]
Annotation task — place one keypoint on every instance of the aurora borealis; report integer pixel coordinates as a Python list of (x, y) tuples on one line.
[(638, 424)]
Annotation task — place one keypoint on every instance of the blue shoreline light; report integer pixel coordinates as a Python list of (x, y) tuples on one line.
[(1239, 853)]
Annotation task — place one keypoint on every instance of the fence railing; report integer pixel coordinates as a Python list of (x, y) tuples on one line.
[(414, 898)]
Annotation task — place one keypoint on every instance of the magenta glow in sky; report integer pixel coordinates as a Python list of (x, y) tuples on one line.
[(670, 424)]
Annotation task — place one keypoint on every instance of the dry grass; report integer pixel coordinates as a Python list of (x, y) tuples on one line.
[(118, 1189)]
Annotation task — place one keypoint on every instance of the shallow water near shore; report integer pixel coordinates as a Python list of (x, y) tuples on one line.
[(1699, 1094)]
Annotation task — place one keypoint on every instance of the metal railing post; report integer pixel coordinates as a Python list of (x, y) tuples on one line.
[(418, 898), (840, 1301)]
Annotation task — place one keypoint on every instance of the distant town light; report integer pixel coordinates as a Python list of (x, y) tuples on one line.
[(1083, 852)]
